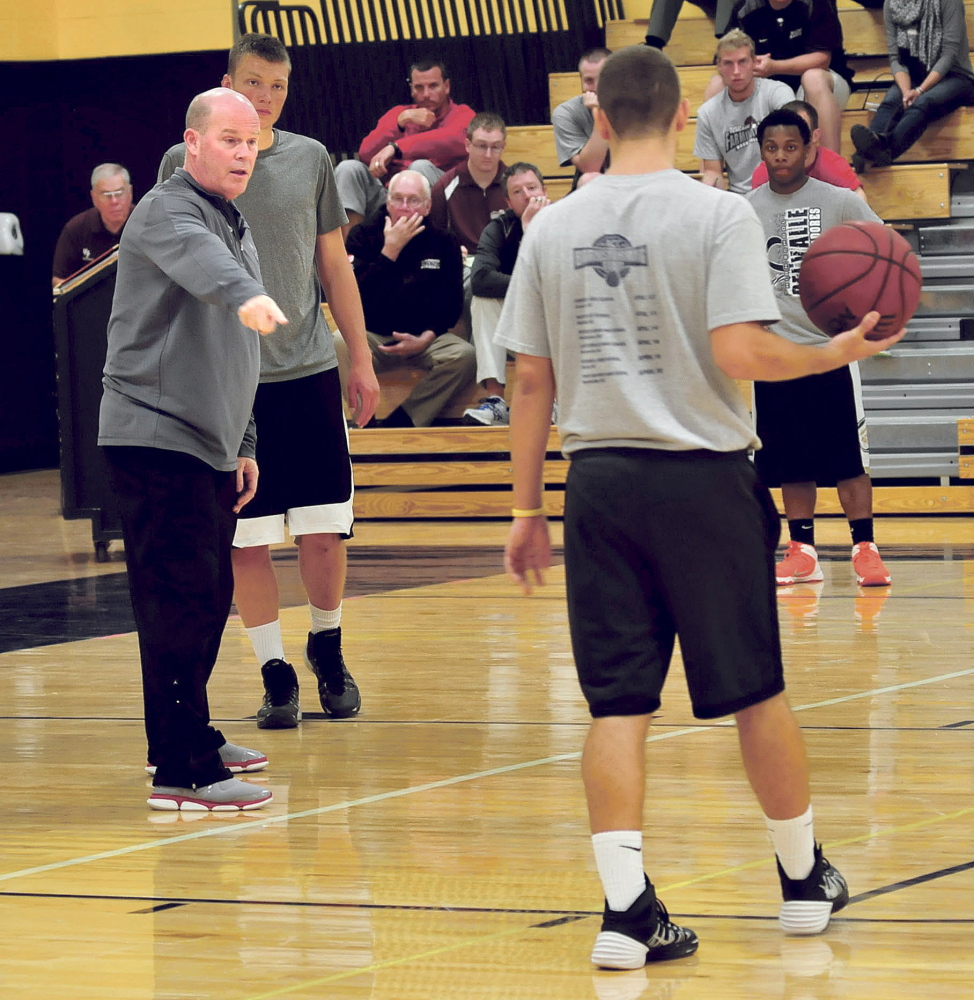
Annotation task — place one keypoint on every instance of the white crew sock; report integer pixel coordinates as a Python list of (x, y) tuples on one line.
[(325, 621), (267, 641), (794, 843), (619, 859)]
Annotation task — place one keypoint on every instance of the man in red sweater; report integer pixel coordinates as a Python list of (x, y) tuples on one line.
[(428, 136)]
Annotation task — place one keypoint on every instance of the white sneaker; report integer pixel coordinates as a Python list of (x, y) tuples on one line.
[(490, 412)]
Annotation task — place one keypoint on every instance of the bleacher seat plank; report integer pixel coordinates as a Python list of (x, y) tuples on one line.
[(909, 191), (965, 440), (562, 87), (900, 500), (434, 440), (535, 144), (449, 472), (378, 505)]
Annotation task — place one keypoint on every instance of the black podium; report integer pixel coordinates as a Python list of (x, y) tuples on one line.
[(82, 306)]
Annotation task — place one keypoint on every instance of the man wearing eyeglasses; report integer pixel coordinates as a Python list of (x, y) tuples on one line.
[(466, 196), (95, 231), (409, 274)]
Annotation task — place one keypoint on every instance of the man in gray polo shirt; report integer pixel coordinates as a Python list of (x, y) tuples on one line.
[(178, 436)]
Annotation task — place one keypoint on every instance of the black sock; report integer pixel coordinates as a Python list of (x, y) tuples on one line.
[(802, 529), (655, 42), (862, 530)]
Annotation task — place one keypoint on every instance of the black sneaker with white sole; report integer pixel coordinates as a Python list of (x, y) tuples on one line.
[(643, 933), (337, 691), (281, 708), (810, 902)]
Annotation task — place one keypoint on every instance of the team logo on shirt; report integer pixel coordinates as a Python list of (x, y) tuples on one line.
[(796, 228), (739, 136), (429, 264), (85, 253), (612, 256)]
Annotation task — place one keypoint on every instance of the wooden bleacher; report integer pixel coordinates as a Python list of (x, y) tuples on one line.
[(692, 42), (465, 472), (903, 191)]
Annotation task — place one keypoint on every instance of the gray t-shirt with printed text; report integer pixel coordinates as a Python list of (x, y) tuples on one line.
[(791, 222), (620, 285), (290, 200), (728, 130)]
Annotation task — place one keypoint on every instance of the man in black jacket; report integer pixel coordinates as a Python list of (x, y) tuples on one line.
[(410, 276), (493, 265)]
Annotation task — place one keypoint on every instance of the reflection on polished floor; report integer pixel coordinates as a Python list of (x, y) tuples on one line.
[(436, 846)]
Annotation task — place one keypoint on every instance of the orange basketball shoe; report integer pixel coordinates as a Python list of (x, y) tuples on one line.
[(800, 565), (870, 571)]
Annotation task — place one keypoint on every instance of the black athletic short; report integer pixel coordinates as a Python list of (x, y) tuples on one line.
[(302, 445), (660, 544), (809, 430)]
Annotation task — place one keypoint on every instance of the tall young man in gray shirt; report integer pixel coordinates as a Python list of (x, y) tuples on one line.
[(640, 299), (296, 216), (177, 429)]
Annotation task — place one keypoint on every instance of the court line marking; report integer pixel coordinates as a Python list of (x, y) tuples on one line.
[(242, 827)]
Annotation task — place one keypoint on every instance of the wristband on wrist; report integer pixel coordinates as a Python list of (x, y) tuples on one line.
[(521, 512), (396, 151)]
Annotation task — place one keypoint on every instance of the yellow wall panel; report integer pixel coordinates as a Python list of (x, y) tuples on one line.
[(28, 31), (92, 29)]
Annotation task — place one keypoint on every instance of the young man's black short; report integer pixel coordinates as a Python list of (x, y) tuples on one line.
[(302, 445), (809, 430), (660, 544)]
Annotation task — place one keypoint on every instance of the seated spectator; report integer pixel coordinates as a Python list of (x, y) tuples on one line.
[(727, 123), (577, 141), (931, 63), (466, 196), (799, 43), (491, 273), (93, 232), (410, 277), (822, 164), (426, 136)]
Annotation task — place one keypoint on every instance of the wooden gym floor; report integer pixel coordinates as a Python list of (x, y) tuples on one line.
[(435, 848)]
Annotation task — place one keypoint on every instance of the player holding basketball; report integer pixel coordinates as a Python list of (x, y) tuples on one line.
[(812, 429), (640, 299)]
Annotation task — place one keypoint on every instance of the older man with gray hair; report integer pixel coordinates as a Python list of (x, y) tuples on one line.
[(91, 233), (178, 437), (410, 276)]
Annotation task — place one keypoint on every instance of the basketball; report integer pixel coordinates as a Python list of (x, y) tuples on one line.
[(855, 268)]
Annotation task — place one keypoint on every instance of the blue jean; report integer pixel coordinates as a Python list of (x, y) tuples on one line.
[(903, 128)]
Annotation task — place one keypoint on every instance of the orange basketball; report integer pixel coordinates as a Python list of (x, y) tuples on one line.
[(855, 268)]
